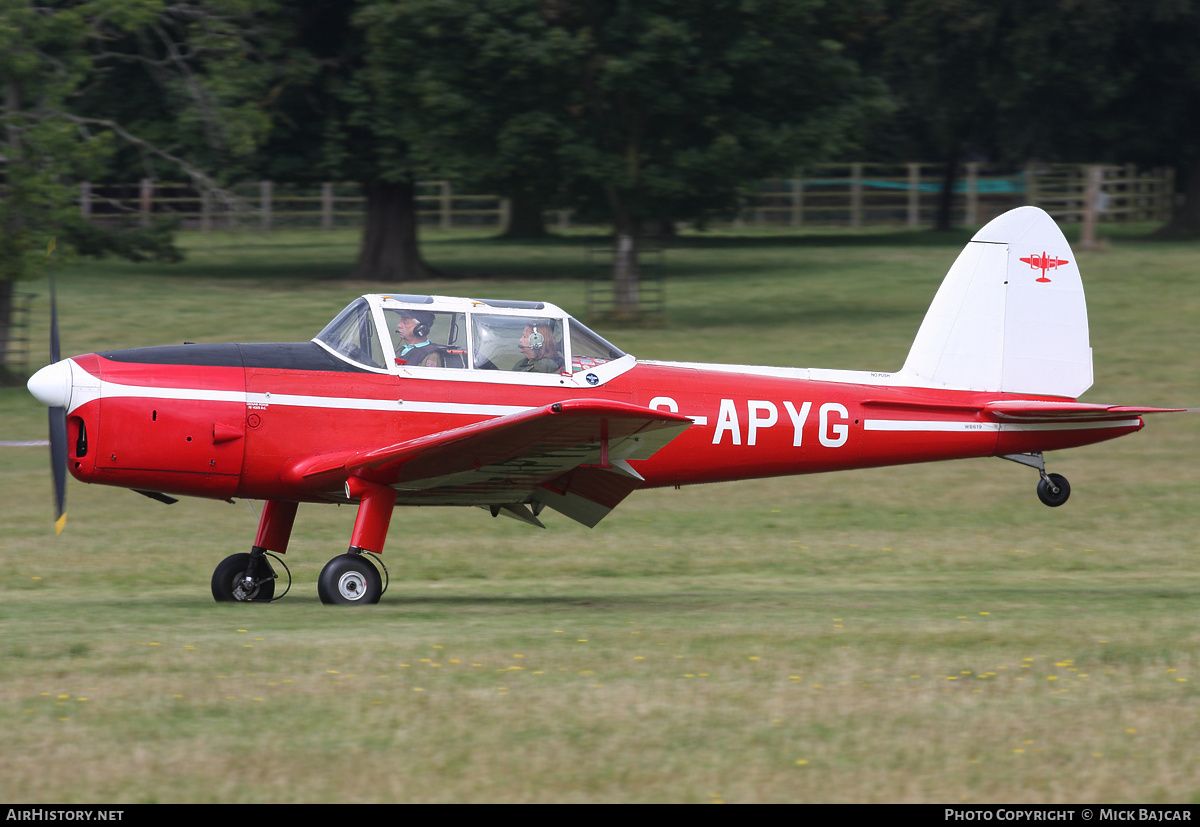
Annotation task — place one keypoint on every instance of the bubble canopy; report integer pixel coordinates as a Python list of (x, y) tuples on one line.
[(394, 333)]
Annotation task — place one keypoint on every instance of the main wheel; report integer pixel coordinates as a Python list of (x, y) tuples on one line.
[(227, 581), (349, 580), (1055, 492)]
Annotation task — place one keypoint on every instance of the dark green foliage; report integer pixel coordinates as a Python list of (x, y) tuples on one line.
[(633, 111), (153, 243)]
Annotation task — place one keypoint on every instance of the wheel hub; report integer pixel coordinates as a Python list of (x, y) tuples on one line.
[(352, 585), (245, 589)]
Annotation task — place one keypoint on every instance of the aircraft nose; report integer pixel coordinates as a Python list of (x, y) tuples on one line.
[(52, 385)]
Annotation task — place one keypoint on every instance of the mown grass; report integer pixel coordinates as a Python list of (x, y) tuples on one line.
[(927, 633)]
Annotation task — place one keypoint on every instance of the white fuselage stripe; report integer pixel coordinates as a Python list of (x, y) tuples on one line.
[(955, 427), (111, 390)]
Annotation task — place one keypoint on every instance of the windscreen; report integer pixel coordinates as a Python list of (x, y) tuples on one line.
[(588, 349), (352, 334)]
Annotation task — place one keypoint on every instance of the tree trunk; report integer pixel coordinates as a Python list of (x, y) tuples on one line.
[(524, 217), (1185, 217), (389, 247), (945, 206), (625, 274)]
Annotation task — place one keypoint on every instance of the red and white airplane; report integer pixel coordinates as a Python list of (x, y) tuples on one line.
[(517, 407)]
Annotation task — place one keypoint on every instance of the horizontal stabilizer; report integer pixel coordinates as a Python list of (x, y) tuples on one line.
[(1040, 411)]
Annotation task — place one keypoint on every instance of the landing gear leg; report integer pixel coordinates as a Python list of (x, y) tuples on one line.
[(249, 577), (350, 579), (241, 578), (1052, 489)]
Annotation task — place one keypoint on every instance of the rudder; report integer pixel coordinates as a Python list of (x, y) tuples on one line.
[(1010, 316)]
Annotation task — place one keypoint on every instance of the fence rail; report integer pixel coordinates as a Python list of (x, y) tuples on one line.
[(846, 195)]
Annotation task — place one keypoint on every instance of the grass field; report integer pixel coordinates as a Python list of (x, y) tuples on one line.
[(927, 633)]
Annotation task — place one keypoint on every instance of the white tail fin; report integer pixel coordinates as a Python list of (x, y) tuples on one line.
[(1010, 315)]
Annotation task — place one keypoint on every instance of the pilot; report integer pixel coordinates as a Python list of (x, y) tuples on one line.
[(413, 328), (539, 349)]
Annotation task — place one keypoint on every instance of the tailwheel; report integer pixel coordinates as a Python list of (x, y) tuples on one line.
[(245, 578), (350, 580), (1053, 489)]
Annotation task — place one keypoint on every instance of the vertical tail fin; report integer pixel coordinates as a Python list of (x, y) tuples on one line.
[(1010, 315)]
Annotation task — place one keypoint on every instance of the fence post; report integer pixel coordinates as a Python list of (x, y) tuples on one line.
[(327, 205), (205, 211), (1165, 207), (1091, 206), (264, 203), (914, 196), (85, 199), (972, 193), (798, 199), (145, 201), (1134, 194), (447, 217), (856, 191), (1031, 193)]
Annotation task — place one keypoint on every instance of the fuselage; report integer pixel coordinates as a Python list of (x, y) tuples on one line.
[(225, 421)]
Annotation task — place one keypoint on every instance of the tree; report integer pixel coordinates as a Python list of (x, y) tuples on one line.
[(1152, 82), (1068, 80), (58, 113), (660, 109), (40, 66), (482, 88), (327, 125)]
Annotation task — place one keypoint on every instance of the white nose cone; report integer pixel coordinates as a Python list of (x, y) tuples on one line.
[(52, 385)]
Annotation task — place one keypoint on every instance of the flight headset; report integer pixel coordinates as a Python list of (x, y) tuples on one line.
[(536, 340)]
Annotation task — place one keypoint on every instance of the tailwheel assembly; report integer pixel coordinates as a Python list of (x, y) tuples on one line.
[(1052, 489), (248, 578)]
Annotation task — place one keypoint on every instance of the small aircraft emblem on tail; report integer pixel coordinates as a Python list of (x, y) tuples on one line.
[(1044, 263)]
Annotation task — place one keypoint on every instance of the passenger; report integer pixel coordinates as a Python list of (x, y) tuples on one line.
[(413, 328), (539, 349)]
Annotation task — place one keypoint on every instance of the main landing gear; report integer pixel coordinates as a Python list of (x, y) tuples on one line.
[(350, 579), (1052, 489), (248, 578)]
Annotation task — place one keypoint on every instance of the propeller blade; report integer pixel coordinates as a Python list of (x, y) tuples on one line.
[(58, 465), (58, 417)]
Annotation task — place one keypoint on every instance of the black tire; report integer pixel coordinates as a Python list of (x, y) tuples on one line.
[(1047, 494), (228, 575), (349, 580)]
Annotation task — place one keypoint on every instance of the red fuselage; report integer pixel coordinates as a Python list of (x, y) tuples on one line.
[(225, 421)]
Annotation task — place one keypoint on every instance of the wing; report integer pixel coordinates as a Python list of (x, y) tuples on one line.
[(571, 456)]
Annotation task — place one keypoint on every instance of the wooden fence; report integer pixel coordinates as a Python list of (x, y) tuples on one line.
[(845, 195), (907, 195)]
